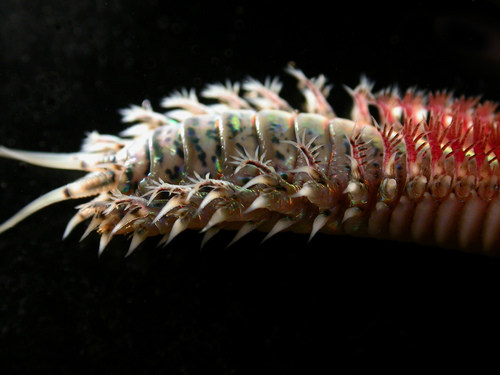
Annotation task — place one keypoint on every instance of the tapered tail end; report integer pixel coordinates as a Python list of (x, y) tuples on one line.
[(78, 161), (45, 200)]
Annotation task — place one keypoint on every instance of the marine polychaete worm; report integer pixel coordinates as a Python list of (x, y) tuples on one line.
[(409, 167)]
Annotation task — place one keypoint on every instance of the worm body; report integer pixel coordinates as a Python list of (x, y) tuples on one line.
[(414, 167)]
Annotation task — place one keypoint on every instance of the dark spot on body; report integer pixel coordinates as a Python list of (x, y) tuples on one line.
[(111, 176), (286, 176), (190, 132), (128, 185), (157, 152), (179, 151), (175, 174), (202, 155), (211, 134)]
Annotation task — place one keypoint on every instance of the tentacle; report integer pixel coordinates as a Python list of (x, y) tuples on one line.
[(89, 185), (78, 161)]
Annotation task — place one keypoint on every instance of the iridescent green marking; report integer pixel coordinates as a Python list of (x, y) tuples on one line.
[(234, 125), (218, 157), (173, 123), (217, 162)]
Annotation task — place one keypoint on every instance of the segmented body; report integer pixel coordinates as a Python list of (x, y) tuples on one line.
[(425, 170)]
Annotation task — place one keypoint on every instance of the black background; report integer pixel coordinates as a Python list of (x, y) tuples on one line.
[(285, 306)]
